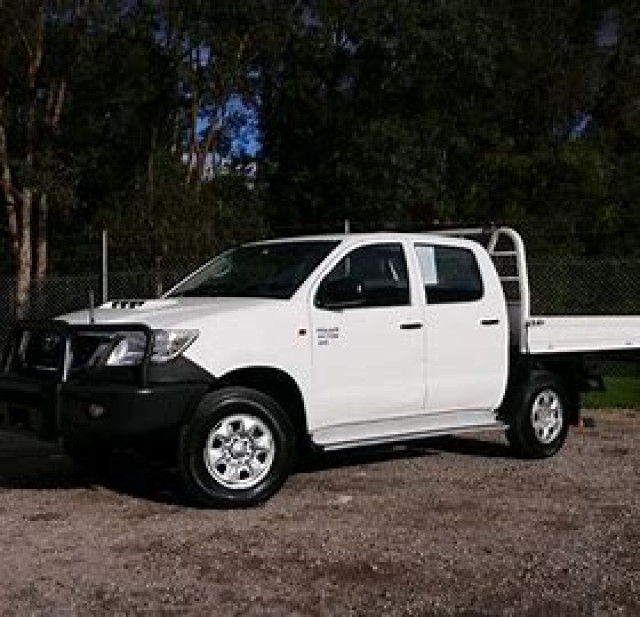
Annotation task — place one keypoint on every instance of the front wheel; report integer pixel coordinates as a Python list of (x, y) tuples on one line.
[(538, 416), (237, 450)]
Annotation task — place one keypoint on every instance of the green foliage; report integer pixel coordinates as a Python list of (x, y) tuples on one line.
[(182, 223), (449, 112), (619, 392)]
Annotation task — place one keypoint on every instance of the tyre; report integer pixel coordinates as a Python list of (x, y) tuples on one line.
[(87, 453), (237, 450), (538, 416)]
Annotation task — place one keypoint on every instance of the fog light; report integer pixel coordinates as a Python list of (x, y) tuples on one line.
[(96, 411)]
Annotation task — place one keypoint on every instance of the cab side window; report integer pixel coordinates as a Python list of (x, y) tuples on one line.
[(378, 271), (450, 274)]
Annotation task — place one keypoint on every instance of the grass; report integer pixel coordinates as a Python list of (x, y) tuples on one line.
[(619, 392)]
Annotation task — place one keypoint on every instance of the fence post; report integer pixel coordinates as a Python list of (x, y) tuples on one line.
[(105, 265), (158, 276)]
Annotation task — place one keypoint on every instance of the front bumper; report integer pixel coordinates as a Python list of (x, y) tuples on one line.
[(29, 405), (99, 401), (98, 409), (109, 410)]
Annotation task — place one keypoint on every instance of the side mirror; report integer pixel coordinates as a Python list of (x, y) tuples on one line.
[(340, 294)]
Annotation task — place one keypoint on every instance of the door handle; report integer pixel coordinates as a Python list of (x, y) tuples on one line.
[(415, 325), (489, 322)]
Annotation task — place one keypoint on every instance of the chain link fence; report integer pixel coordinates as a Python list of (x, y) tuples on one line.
[(584, 286), (61, 294), (567, 286), (559, 284)]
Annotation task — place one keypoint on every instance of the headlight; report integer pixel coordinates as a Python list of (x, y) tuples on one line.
[(129, 350), (167, 345)]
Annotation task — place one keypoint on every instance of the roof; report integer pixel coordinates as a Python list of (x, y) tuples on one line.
[(379, 236)]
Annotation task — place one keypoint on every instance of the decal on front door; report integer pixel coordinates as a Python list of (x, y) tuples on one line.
[(326, 335)]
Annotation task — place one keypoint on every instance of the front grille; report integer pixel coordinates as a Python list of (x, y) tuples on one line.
[(54, 350), (41, 351), (89, 349), (44, 351)]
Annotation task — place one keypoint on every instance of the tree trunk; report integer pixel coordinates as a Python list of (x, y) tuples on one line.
[(203, 152), (193, 140), (9, 195), (23, 286), (35, 53), (27, 204), (42, 246), (38, 304)]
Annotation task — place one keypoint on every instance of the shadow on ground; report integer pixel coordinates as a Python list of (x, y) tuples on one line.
[(32, 465), (433, 446)]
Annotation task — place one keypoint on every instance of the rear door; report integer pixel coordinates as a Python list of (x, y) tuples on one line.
[(466, 332)]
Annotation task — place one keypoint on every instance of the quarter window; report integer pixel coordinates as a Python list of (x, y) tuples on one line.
[(450, 274)]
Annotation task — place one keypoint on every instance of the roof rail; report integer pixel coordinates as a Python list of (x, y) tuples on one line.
[(463, 231)]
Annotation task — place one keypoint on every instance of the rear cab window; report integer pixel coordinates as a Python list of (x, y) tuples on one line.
[(450, 275)]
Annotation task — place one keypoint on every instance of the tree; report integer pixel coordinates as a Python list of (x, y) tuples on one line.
[(33, 92), (453, 112), (175, 116), (126, 114)]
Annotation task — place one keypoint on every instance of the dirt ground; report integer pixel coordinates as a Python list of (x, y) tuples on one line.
[(446, 527)]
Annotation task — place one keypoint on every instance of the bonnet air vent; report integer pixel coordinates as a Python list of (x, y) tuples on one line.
[(126, 304)]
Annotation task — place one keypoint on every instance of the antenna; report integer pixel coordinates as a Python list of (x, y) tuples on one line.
[(92, 317)]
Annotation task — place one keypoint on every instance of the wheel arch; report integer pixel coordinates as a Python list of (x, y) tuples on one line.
[(572, 374), (277, 384), (570, 371)]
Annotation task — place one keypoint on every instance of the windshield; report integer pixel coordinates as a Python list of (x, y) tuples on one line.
[(273, 270)]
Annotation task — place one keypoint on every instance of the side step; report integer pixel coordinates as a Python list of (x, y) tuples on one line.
[(356, 443)]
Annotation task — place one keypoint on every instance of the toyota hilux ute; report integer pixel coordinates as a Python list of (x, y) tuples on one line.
[(321, 343)]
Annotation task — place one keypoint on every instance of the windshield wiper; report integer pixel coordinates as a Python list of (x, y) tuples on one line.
[(205, 291), (258, 290)]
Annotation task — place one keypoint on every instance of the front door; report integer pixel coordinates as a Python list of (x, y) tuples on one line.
[(368, 346)]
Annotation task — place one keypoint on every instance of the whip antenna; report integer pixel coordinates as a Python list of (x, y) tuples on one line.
[(92, 318)]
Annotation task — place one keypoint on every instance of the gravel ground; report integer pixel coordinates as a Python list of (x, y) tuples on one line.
[(446, 527)]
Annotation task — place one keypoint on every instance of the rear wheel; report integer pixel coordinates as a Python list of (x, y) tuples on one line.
[(237, 450), (538, 416)]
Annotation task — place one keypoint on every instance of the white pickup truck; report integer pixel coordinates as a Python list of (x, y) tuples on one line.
[(322, 342)]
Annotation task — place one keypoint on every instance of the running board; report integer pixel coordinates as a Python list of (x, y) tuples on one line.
[(387, 439)]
